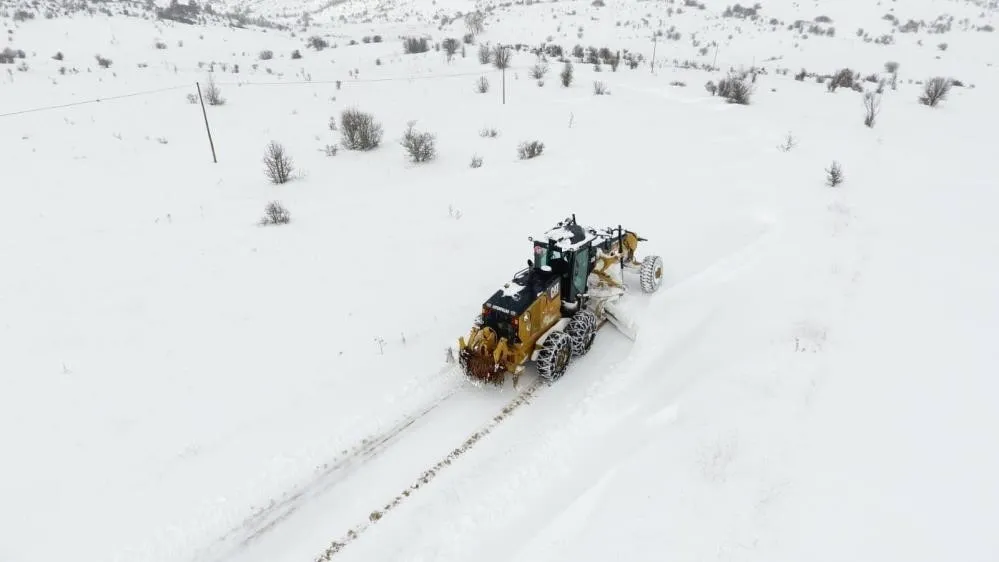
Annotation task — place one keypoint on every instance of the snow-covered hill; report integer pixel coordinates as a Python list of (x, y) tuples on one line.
[(180, 383)]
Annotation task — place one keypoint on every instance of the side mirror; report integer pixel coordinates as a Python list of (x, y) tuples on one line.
[(530, 264)]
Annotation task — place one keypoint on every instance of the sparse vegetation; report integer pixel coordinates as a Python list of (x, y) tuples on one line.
[(501, 57), (277, 164), (599, 88), (935, 91), (482, 85), (488, 132), (450, 46), (360, 131), (415, 45), (102, 61), (485, 54), (421, 146), (476, 161), (567, 74), (318, 43), (275, 213), (538, 71), (530, 149), (213, 94), (266, 54), (834, 175)]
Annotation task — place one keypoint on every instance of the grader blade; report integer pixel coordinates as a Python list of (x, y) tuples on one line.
[(624, 323)]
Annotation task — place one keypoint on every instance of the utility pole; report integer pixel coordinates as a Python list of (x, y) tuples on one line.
[(207, 128), (652, 67), (504, 83)]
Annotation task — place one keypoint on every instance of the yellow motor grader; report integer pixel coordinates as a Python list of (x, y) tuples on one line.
[(550, 312)]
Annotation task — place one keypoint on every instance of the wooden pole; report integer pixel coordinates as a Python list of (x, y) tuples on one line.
[(504, 75), (652, 68), (207, 128)]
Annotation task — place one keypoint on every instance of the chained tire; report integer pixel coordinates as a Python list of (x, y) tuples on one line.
[(582, 330), (553, 359), (652, 273)]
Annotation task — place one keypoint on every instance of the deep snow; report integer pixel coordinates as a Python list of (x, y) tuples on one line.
[(813, 381)]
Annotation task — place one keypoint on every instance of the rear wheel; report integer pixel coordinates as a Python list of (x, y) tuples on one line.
[(553, 358), (582, 330), (652, 273)]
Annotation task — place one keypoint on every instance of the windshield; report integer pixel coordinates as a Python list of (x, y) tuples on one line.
[(540, 256)]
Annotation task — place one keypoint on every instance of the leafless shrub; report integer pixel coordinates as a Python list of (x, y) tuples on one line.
[(266, 54), (843, 78), (737, 90), (213, 94), (488, 133), (501, 57), (277, 164), (789, 143), (360, 130), (451, 46), (566, 75), (934, 91), (599, 88), (160, 45), (330, 150), (485, 54), (191, 98), (475, 22), (482, 85), (58, 56), (275, 213), (711, 87), (530, 149), (872, 105), (317, 43), (834, 175), (296, 54), (476, 161), (415, 45), (421, 146), (538, 71), (103, 62)]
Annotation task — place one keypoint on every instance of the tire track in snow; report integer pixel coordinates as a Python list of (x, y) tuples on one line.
[(427, 476), (329, 475)]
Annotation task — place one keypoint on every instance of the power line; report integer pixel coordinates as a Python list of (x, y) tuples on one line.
[(96, 100), (240, 84)]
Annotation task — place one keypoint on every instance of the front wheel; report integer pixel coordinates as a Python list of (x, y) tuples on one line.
[(553, 359), (652, 273)]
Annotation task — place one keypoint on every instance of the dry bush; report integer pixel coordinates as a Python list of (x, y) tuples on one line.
[(213, 94), (475, 22), (275, 213), (530, 149), (488, 133), (538, 71), (103, 62), (414, 45), (566, 75), (451, 46), (277, 164), (476, 161), (935, 91), (834, 175), (485, 55), (599, 88), (482, 85), (737, 90), (421, 146), (501, 57), (711, 87), (266, 54), (360, 130), (317, 43)]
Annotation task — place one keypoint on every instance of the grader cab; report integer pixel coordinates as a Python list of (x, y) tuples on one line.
[(550, 312)]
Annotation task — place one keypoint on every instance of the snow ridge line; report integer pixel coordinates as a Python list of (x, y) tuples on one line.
[(431, 473)]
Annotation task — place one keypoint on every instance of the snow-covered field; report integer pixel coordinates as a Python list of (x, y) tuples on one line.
[(816, 380)]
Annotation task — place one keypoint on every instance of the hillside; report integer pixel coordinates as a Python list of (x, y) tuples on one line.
[(183, 383)]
